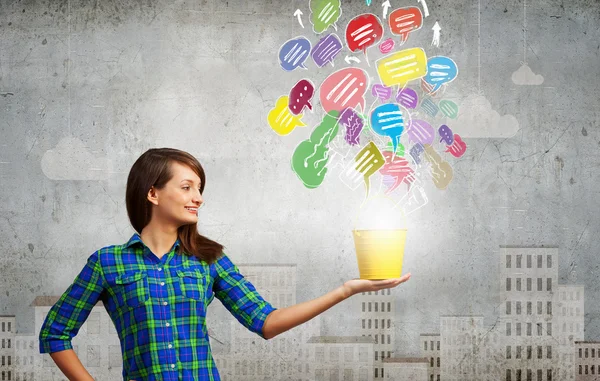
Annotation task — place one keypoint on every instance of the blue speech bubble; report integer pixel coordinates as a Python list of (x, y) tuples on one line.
[(326, 49), (440, 70), (387, 120), (293, 53)]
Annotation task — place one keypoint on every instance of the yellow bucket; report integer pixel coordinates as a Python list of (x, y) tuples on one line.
[(380, 253)]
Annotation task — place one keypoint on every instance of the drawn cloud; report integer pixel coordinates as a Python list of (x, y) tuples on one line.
[(477, 119), (524, 76), (71, 160)]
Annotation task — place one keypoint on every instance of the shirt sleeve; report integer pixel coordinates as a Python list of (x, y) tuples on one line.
[(72, 309), (240, 297)]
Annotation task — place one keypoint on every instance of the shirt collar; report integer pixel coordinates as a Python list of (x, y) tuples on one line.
[(136, 239)]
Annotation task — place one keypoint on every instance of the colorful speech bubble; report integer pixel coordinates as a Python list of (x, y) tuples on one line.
[(401, 67), (416, 151), (352, 124), (457, 148), (441, 171), (386, 46), (407, 97), (381, 91), (293, 53), (310, 157), (344, 88), (326, 49), (368, 161), (398, 168), (414, 200), (300, 96), (420, 131), (281, 119), (390, 148), (403, 21), (324, 13), (449, 108), (440, 70), (429, 89), (387, 120), (363, 31), (446, 134), (429, 107)]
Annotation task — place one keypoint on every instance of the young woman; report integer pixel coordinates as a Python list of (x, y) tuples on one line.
[(157, 286)]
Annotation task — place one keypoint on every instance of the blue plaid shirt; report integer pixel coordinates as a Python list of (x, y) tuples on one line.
[(158, 307)]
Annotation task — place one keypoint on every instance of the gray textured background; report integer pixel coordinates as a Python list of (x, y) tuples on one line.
[(87, 86)]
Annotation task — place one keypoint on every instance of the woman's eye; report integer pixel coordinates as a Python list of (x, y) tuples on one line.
[(186, 188)]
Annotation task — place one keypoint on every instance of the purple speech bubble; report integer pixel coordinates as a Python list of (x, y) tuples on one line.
[(416, 151), (381, 91), (420, 131), (407, 97), (326, 49), (446, 134), (353, 124)]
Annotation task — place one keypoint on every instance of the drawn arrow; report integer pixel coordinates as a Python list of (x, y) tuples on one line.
[(386, 5), (424, 7), (349, 58), (298, 13), (436, 34)]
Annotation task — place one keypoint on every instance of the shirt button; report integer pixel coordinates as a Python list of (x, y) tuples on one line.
[(160, 269), (162, 283), (172, 365), (165, 303), (170, 346), (168, 325)]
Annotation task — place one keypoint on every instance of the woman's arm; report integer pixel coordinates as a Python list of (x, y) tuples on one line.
[(68, 363), (284, 319)]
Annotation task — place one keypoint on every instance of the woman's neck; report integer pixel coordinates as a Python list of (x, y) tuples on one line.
[(159, 239)]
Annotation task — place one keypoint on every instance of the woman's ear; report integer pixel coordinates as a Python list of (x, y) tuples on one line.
[(153, 196)]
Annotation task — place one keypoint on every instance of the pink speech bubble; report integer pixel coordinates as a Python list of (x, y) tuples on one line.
[(344, 88), (386, 46), (398, 168), (300, 96), (458, 147)]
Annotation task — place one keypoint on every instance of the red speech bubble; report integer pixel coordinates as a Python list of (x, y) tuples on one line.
[(458, 147), (344, 88), (300, 96), (398, 168), (363, 31), (402, 21)]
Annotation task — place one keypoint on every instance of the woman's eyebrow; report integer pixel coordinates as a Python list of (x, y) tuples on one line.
[(191, 181)]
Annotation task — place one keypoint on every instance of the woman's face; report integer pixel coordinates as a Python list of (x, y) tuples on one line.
[(178, 201)]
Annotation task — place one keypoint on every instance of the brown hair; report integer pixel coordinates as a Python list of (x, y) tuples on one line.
[(153, 168)]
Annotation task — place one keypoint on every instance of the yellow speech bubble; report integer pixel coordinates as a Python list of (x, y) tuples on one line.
[(403, 66), (280, 118)]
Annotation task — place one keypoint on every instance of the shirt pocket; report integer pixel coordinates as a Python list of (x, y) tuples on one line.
[(133, 288), (192, 284)]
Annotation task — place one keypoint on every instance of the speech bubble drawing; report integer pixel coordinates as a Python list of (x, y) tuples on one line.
[(401, 67), (387, 120), (281, 120), (429, 89), (449, 108), (429, 107), (324, 13), (407, 97), (415, 199), (293, 53), (352, 124), (381, 91), (387, 45), (403, 21), (344, 88), (363, 31), (326, 49), (300, 96), (446, 134), (420, 131), (440, 70), (441, 171), (416, 151), (398, 168), (368, 161), (310, 157), (457, 148)]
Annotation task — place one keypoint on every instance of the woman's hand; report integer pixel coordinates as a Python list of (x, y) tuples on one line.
[(355, 286)]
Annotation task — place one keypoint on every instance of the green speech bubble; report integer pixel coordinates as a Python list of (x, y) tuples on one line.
[(324, 14)]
